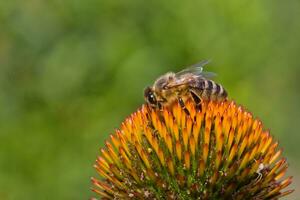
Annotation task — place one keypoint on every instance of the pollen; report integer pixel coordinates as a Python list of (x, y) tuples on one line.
[(218, 152)]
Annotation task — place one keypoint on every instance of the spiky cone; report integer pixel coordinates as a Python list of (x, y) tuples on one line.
[(220, 152)]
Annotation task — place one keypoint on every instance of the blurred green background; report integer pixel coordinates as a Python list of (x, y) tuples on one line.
[(71, 71)]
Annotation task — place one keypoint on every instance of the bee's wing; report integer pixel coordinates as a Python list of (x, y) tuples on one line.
[(207, 74), (196, 69)]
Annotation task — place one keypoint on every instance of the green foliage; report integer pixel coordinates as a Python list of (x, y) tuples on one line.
[(71, 71)]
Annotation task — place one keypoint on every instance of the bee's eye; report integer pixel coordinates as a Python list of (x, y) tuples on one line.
[(150, 97)]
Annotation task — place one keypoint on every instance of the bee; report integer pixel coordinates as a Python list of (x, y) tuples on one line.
[(191, 82)]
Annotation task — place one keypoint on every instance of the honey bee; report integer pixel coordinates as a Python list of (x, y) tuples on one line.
[(191, 82)]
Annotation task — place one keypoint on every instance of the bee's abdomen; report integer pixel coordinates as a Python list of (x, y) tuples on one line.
[(214, 90), (223, 93), (208, 90)]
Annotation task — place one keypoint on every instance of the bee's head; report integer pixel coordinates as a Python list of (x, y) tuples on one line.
[(150, 96)]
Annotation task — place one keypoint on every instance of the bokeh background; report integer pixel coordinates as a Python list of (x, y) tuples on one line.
[(71, 71)]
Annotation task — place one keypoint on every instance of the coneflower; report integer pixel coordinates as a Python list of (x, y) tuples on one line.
[(220, 152)]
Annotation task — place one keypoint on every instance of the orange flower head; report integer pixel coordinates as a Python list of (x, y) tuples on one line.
[(220, 152)]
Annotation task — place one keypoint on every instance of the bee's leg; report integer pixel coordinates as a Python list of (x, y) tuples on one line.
[(159, 105), (181, 103), (159, 108), (197, 100)]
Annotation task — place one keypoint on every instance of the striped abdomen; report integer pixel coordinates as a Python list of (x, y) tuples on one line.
[(209, 90), (213, 91)]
